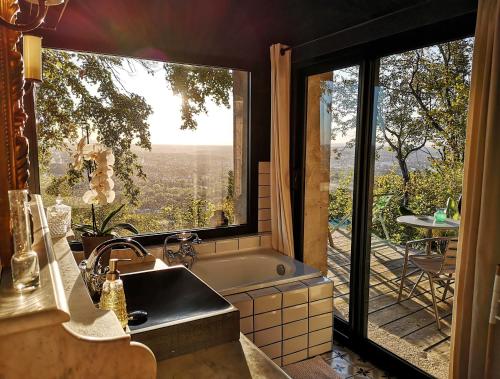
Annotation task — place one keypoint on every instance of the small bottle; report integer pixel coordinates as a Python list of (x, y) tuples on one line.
[(24, 262), (113, 295), (59, 218)]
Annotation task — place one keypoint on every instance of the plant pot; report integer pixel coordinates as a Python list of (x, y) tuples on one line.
[(91, 242)]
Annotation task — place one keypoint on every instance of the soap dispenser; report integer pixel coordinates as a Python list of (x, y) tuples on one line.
[(113, 295)]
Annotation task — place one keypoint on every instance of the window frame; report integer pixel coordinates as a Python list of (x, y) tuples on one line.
[(254, 150)]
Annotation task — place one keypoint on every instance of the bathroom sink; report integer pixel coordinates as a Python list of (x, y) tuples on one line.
[(183, 313)]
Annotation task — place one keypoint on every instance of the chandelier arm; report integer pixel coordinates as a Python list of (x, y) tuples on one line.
[(39, 19)]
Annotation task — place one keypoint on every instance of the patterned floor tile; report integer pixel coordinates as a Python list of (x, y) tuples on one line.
[(350, 365)]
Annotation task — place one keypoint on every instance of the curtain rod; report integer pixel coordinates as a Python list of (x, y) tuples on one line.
[(285, 49)]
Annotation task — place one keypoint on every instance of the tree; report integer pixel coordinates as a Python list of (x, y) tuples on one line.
[(195, 84), (421, 101), (82, 92), (85, 92)]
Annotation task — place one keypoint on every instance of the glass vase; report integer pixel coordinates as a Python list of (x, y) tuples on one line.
[(24, 263), (440, 215)]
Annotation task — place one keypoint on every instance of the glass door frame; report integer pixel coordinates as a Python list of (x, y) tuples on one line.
[(353, 333)]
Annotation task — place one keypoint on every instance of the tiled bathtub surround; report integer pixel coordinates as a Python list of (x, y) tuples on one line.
[(264, 207), (224, 245), (290, 322)]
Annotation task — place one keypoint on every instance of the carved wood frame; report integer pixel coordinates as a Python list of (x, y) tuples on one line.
[(14, 162)]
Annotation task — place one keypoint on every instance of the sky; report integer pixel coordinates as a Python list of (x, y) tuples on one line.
[(214, 128)]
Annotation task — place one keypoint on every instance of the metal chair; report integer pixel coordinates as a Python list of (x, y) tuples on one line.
[(438, 267)]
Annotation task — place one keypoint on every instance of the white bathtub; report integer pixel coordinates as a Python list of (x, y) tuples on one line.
[(244, 271)]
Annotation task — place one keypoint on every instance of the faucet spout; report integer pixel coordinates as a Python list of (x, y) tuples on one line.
[(95, 267)]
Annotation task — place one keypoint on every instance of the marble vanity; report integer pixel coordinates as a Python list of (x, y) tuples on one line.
[(56, 331)]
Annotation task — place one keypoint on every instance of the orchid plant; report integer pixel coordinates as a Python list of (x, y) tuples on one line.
[(98, 161)]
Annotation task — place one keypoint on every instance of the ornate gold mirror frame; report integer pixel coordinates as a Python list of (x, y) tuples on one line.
[(14, 163)]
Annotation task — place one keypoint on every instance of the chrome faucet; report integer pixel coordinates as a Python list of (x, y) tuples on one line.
[(95, 267), (186, 255)]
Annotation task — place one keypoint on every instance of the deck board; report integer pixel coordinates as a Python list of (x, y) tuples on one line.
[(412, 320)]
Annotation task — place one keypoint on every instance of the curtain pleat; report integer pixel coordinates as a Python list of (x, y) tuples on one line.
[(281, 207), (479, 245)]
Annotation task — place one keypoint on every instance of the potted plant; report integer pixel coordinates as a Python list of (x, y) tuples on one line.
[(91, 238), (98, 160)]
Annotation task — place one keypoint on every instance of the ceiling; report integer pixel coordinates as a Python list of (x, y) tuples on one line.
[(206, 31)]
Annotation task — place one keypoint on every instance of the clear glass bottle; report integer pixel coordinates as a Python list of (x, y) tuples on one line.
[(59, 218), (24, 263)]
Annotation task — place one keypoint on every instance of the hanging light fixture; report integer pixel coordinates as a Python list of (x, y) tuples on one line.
[(32, 57), (43, 7)]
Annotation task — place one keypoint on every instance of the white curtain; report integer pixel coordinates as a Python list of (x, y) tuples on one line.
[(281, 208), (479, 246)]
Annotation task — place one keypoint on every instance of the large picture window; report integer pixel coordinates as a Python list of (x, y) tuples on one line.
[(178, 133)]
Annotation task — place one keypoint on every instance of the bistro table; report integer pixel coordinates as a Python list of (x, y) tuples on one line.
[(424, 222), (428, 222)]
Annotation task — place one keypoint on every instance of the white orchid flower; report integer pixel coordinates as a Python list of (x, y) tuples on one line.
[(101, 185)]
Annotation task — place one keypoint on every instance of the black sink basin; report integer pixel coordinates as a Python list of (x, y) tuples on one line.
[(183, 313)]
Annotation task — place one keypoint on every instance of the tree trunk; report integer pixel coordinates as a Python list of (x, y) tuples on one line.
[(406, 179)]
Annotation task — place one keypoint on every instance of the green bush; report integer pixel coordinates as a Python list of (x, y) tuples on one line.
[(428, 189)]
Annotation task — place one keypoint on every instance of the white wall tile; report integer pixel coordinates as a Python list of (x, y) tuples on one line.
[(297, 312), (295, 329), (264, 167), (223, 246), (205, 248), (273, 350), (294, 357), (264, 179), (294, 344), (320, 306), (265, 241), (264, 214), (320, 322), (251, 242), (246, 324), (320, 336), (319, 349), (266, 299), (264, 226), (267, 320), (264, 191), (268, 336), (293, 293), (319, 288), (264, 202), (243, 302)]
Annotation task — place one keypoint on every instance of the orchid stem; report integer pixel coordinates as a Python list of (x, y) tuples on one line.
[(89, 171)]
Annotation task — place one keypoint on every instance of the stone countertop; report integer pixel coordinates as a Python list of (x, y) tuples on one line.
[(239, 359)]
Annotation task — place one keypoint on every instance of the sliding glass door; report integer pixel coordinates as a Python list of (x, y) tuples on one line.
[(384, 145), (331, 134), (420, 119)]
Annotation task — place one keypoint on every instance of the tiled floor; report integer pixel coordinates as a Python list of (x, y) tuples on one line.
[(407, 328), (350, 365)]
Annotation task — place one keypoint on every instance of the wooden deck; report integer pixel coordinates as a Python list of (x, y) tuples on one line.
[(408, 329)]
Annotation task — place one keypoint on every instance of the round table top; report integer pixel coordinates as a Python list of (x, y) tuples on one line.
[(428, 222)]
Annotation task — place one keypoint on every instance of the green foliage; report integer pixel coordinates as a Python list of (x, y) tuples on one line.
[(103, 229), (340, 199), (429, 189), (195, 84), (80, 92), (85, 91), (192, 213)]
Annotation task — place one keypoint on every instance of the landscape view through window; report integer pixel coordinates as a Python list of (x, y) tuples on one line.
[(178, 133)]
